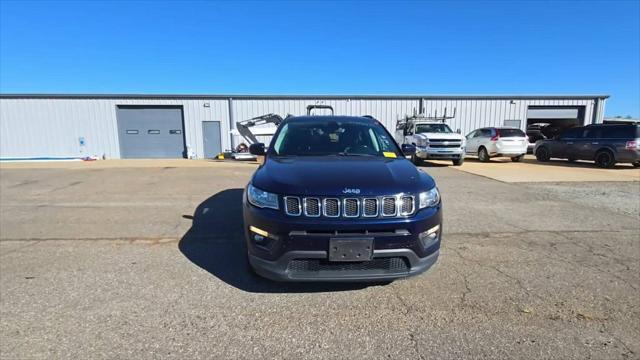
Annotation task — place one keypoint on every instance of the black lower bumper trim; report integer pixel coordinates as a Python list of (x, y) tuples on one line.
[(313, 266)]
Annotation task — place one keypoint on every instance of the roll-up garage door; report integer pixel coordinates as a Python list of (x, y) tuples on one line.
[(150, 132)]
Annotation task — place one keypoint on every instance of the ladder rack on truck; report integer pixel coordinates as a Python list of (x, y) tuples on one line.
[(408, 120)]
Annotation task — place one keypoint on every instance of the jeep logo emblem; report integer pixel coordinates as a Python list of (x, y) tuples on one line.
[(351, 191)]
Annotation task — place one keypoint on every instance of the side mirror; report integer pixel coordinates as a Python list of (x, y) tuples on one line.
[(256, 149), (408, 149), (459, 131)]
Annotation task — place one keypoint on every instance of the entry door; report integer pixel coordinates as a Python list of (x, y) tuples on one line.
[(211, 136)]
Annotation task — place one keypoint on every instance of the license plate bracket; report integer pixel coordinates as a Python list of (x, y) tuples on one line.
[(341, 249)]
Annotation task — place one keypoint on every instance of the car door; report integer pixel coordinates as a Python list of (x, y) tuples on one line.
[(483, 137), (588, 143), (472, 144), (565, 147)]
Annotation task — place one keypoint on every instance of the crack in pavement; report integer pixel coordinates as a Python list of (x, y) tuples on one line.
[(407, 309), (626, 347), (517, 280), (557, 256)]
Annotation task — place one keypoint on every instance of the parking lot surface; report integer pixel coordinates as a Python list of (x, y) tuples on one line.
[(149, 262)]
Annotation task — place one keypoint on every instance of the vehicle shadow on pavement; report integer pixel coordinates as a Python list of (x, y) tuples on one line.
[(215, 242)]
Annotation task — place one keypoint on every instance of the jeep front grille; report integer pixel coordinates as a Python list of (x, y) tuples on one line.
[(406, 205), (331, 207), (389, 206), (351, 207), (312, 207), (370, 207), (292, 206)]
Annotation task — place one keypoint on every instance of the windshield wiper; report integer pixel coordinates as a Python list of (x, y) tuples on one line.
[(353, 154)]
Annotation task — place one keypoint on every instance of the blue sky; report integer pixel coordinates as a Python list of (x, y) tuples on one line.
[(451, 47)]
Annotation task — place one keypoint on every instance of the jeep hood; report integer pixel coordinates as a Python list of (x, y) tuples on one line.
[(340, 176)]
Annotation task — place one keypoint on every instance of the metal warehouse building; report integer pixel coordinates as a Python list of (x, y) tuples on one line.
[(171, 126)]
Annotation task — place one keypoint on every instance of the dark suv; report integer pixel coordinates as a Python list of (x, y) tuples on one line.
[(604, 144), (336, 200)]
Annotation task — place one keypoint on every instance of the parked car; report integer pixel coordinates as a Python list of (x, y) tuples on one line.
[(336, 200), (605, 144), (494, 142), (433, 139)]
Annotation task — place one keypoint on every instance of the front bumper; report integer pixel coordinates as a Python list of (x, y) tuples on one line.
[(296, 248), (280, 270), (440, 153)]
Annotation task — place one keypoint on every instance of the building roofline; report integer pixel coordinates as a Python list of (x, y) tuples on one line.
[(302, 97)]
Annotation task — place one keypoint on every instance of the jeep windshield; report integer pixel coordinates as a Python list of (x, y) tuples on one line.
[(338, 138), (433, 128)]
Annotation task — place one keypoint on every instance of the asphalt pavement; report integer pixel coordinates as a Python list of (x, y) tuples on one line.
[(149, 263)]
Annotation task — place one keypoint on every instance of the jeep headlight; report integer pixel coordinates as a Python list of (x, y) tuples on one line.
[(261, 198), (429, 198)]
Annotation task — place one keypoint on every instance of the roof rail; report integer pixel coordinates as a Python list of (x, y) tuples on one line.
[(311, 107)]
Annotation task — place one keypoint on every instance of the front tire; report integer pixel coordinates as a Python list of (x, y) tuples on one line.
[(517, 158), (483, 155), (416, 160), (636, 164), (458, 162), (605, 159), (542, 154)]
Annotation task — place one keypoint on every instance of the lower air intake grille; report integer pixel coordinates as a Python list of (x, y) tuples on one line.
[(389, 264)]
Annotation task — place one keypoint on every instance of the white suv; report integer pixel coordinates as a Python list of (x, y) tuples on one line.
[(492, 142)]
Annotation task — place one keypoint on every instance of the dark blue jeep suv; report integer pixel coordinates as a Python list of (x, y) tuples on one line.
[(336, 200)]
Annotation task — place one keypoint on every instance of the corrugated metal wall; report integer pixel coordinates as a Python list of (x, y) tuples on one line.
[(385, 110), (470, 113), (52, 127), (477, 113), (41, 126)]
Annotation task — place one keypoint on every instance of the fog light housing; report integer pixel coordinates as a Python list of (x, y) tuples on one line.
[(429, 237), (261, 237)]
